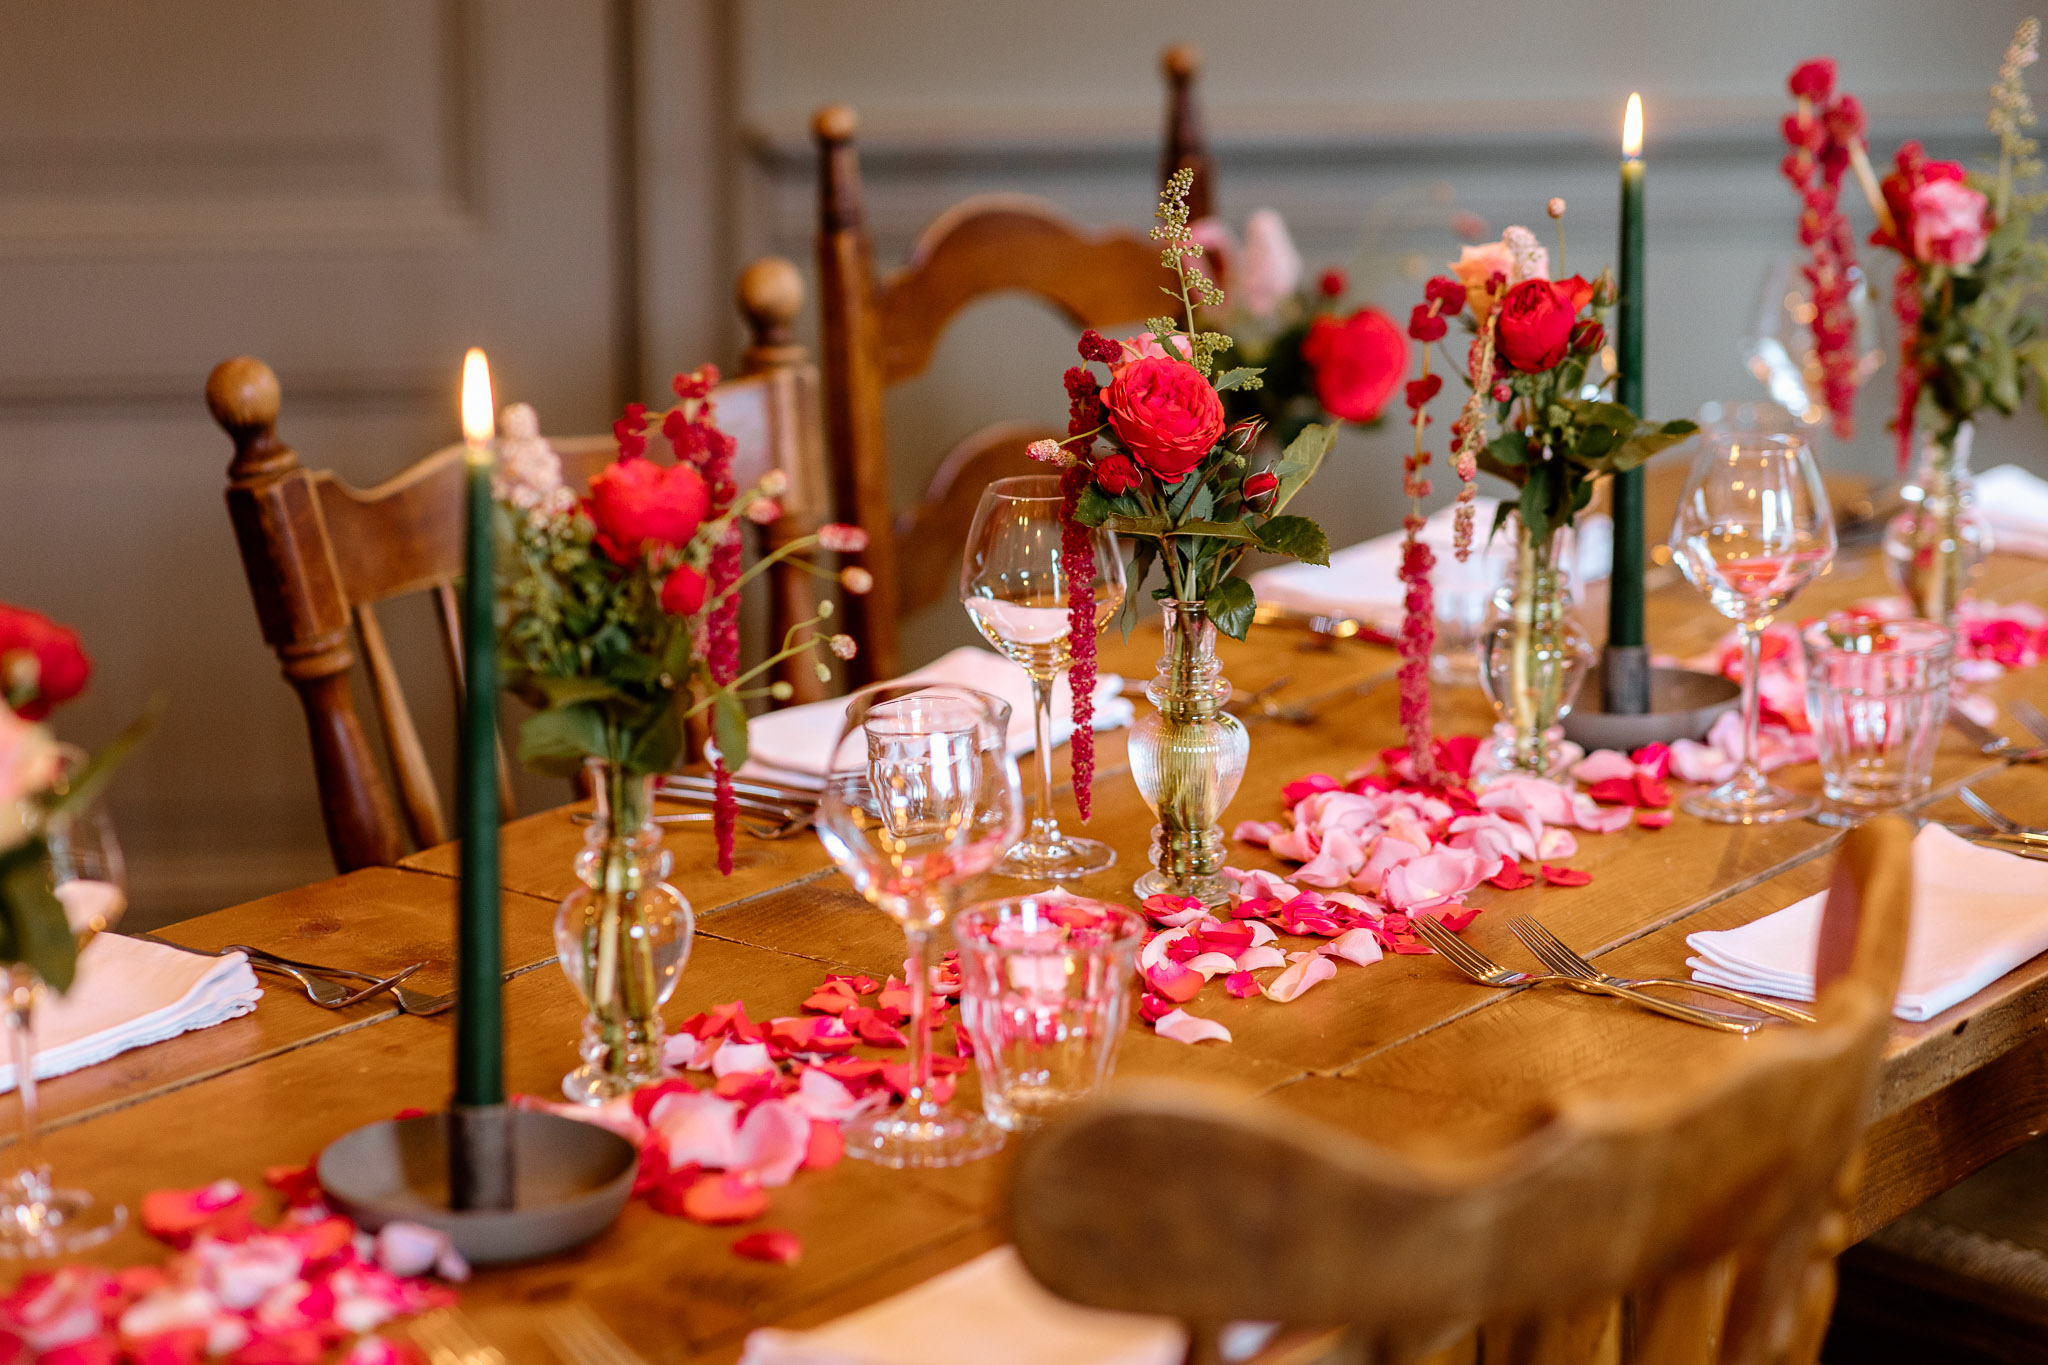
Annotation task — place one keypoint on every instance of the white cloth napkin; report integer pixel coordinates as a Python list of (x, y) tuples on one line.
[(1363, 581), (1977, 914), (129, 993), (988, 1311), (2015, 503), (794, 744)]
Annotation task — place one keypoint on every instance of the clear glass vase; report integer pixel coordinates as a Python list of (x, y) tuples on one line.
[(1935, 548), (1533, 656), (623, 937), (1187, 758)]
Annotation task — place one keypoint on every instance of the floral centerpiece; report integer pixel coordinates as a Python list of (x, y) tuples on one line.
[(1533, 420), (1319, 360), (1965, 294), (619, 625), (1173, 475)]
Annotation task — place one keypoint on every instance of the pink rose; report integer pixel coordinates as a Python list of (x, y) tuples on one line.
[(1949, 226), (1272, 267)]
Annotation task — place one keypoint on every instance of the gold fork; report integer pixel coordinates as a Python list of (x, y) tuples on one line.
[(580, 1337), (450, 1338)]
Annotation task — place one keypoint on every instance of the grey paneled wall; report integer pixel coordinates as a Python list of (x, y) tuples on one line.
[(1335, 112)]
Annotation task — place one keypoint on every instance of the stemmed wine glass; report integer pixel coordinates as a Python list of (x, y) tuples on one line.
[(88, 875), (1753, 528), (922, 798), (1014, 583)]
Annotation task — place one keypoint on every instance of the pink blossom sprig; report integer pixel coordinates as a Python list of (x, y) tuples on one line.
[(1468, 432), (691, 427), (1825, 132)]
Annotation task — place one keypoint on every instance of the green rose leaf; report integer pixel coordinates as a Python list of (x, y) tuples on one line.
[(558, 739), (1510, 448), (1143, 527), (41, 936), (1094, 507), (1231, 606), (1220, 530), (1230, 379), (1295, 536), (1299, 462), (658, 748), (569, 691)]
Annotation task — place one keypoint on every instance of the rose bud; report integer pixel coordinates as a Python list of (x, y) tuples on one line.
[(683, 594), (1261, 486), (1118, 474), (1588, 336), (1604, 292)]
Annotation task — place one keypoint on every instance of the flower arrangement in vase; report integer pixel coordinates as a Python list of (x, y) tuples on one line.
[(1965, 294), (1528, 420), (618, 617), (1174, 475)]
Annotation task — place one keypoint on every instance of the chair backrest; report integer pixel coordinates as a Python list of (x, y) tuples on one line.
[(320, 556), (1705, 1218), (881, 331)]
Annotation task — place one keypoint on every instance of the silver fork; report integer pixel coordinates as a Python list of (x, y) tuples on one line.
[(1994, 745), (2030, 718), (328, 995), (784, 829), (1999, 820), (1487, 972), (580, 1337), (411, 1001), (1553, 953), (450, 1338)]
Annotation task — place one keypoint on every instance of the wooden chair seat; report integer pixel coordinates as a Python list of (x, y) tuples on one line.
[(1697, 1225), (321, 556)]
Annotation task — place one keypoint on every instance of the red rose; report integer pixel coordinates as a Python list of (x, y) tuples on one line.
[(634, 502), (1536, 321), (1166, 414), (1261, 485), (40, 661), (1358, 363), (1117, 473), (683, 593)]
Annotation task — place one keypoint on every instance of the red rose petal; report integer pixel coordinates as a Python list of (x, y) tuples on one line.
[(1454, 920), (1651, 792), (1152, 1008), (772, 1245), (1613, 791), (1653, 819), (1413, 947), (1565, 876), (720, 1199), (1242, 985), (827, 1144), (1511, 877)]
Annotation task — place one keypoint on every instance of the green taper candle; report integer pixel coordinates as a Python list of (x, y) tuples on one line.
[(479, 955), (1628, 690)]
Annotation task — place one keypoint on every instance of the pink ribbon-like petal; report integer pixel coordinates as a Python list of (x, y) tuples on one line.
[(1183, 1027)]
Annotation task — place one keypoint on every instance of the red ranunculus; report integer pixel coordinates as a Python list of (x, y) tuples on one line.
[(1118, 473), (635, 502), (1536, 322), (683, 593), (1359, 362), (1166, 414), (41, 660)]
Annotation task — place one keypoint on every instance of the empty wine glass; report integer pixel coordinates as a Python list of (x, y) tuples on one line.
[(1014, 582), (38, 1220), (1753, 528), (922, 797), (1779, 346)]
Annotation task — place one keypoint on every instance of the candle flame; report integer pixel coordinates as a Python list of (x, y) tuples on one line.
[(478, 425), (1632, 128)]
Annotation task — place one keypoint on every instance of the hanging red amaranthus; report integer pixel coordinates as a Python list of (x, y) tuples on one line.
[(1418, 604), (691, 427), (1077, 561), (1826, 135)]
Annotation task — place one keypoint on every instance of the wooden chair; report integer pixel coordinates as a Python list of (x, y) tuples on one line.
[(1694, 1227), (879, 332), (320, 556)]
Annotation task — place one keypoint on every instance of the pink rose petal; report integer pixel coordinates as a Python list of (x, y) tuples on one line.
[(1435, 877), (1361, 946), (1293, 982), (1173, 981), (1654, 760), (1339, 861), (1242, 985), (734, 1057), (1257, 833), (1653, 819), (720, 1199), (1604, 765), (1212, 965), (771, 1142), (1260, 956), (1183, 1027), (694, 1126)]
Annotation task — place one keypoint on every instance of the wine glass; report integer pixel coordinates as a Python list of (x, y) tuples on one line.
[(88, 875), (1779, 348), (1753, 528), (1014, 583), (922, 798)]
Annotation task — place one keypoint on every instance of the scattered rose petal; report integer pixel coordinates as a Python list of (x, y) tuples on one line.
[(1565, 876), (1296, 980), (1603, 765), (1212, 965), (733, 1057), (1511, 877), (1173, 981), (720, 1199), (771, 1142), (1259, 957), (1361, 946), (827, 1144), (1183, 1027), (1653, 819), (772, 1245), (1242, 985)]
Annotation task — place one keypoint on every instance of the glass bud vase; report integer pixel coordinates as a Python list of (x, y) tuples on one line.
[(623, 937), (1533, 656), (1187, 758), (1935, 548)]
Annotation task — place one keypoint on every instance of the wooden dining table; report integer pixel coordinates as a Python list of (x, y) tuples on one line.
[(1406, 1052)]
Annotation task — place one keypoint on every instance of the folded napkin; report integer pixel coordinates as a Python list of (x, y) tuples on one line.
[(129, 993), (988, 1311), (1363, 581), (2015, 503), (794, 744), (1977, 914)]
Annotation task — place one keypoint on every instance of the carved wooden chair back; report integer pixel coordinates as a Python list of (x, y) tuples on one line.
[(1694, 1225), (322, 555), (881, 331)]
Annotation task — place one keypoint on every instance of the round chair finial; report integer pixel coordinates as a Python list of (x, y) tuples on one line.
[(243, 393), (835, 123), (771, 292), (1181, 60)]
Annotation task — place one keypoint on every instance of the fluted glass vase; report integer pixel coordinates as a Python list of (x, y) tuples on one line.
[(1187, 758), (1533, 656), (1935, 548), (623, 937)]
